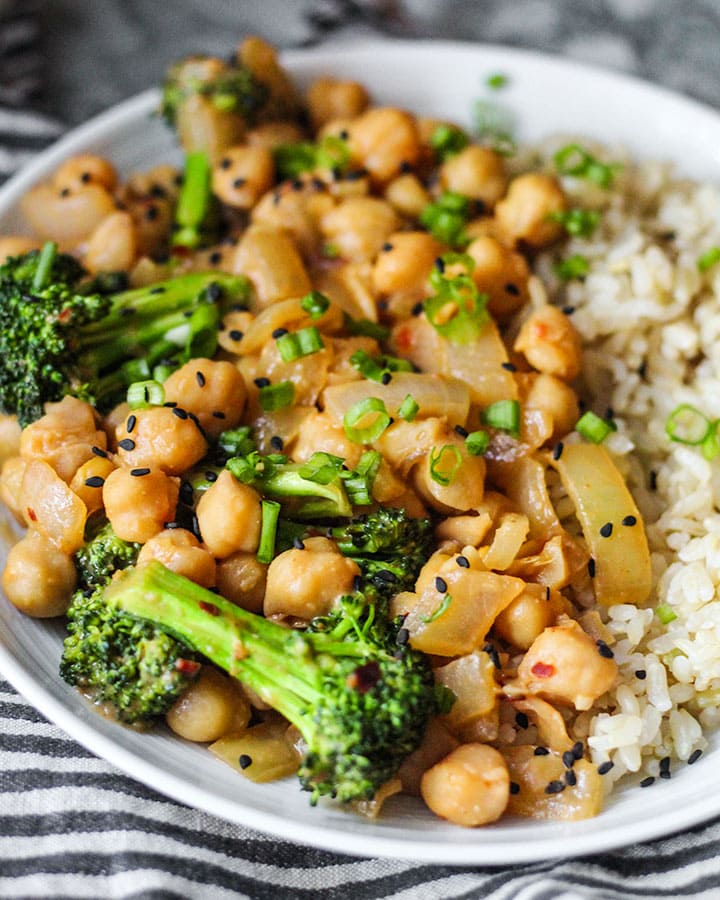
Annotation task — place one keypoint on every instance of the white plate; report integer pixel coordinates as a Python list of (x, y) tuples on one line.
[(548, 95)]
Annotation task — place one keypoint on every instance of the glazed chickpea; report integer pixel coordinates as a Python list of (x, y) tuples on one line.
[(477, 172), (241, 578), (66, 216), (550, 394), (39, 579), (359, 226), (407, 195), (550, 343), (528, 615), (229, 516), (501, 273), (405, 262), (471, 786), (180, 551), (214, 391), (242, 176), (383, 140), (138, 506), (89, 479), (305, 583), (211, 707), (161, 438), (270, 134), (525, 212), (565, 665), (112, 247), (16, 246), (85, 169), (234, 326), (329, 99), (320, 432)]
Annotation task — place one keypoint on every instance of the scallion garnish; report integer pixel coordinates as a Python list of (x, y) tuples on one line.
[(503, 415), (442, 608), (665, 613), (496, 81), (322, 467), (708, 259), (276, 396), (477, 442), (687, 425), (447, 141), (291, 160), (142, 394), (315, 304), (577, 222), (457, 310), (593, 428), (359, 483), (576, 160), (446, 218), (576, 266), (444, 464), (495, 124), (408, 409), (295, 344), (378, 368), (366, 328), (270, 510), (373, 413)]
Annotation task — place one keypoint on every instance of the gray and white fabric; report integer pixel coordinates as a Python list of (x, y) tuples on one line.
[(72, 826)]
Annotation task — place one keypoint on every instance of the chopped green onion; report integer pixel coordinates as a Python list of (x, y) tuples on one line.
[(577, 222), (322, 468), (496, 81), (366, 328), (366, 434), (330, 251), (291, 160), (276, 396), (299, 343), (440, 471), (142, 394), (593, 428), (711, 445), (315, 304), (503, 415), (442, 608), (708, 259), (408, 409), (447, 141), (665, 613), (270, 514), (576, 160), (359, 483), (495, 124), (687, 425), (237, 441), (477, 442), (162, 372), (378, 369), (446, 218), (45, 264), (457, 311), (576, 266)]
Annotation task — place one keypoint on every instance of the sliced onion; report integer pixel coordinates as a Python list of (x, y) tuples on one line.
[(280, 315)]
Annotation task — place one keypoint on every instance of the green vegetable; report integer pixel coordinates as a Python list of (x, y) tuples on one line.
[(577, 222), (366, 434), (441, 471), (496, 81), (360, 700), (503, 415), (687, 425), (665, 613), (576, 160), (196, 217), (576, 266), (477, 442), (315, 304), (295, 344), (457, 310), (447, 217), (366, 328), (708, 259), (495, 125), (60, 340), (442, 608), (378, 368), (270, 510), (292, 160), (359, 482), (408, 409), (448, 141), (141, 394), (593, 428), (276, 396)]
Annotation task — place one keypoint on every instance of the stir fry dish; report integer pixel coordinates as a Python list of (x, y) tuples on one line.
[(302, 442)]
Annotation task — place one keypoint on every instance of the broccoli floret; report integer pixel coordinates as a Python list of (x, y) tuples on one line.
[(389, 547), (360, 700), (57, 340), (115, 658)]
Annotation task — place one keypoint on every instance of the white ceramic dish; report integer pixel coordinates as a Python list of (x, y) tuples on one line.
[(547, 95)]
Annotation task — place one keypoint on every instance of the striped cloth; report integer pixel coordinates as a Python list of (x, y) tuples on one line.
[(71, 826)]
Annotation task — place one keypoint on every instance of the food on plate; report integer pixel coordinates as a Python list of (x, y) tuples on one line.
[(369, 450)]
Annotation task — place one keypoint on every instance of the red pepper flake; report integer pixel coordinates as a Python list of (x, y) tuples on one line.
[(209, 608), (543, 670), (64, 316), (187, 666), (403, 338), (364, 678), (31, 514)]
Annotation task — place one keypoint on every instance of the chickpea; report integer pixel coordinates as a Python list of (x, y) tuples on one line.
[(549, 394), (500, 273), (229, 516), (307, 373), (11, 478), (528, 615), (524, 213), (16, 246), (241, 578), (162, 438), (180, 551), (88, 481), (467, 483), (319, 431), (329, 99), (271, 134), (161, 182), (212, 706), (383, 140), (564, 665), (305, 583), (234, 326), (112, 246), (85, 169), (359, 226), (296, 207), (214, 391), (550, 343), (405, 262), (152, 220), (243, 175), (477, 172), (112, 421), (138, 506), (407, 195), (471, 786), (66, 216), (39, 579)]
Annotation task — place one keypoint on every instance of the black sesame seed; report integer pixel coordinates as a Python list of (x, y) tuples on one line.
[(555, 787), (568, 759), (276, 442), (225, 162), (509, 367), (357, 583), (235, 335), (604, 650), (262, 382), (217, 414), (440, 264), (417, 309), (387, 576), (151, 213), (606, 530), (568, 310), (578, 749), (85, 177), (126, 444), (382, 305), (512, 289), (170, 404), (65, 192), (187, 314), (138, 473), (200, 378), (605, 767), (521, 720), (641, 674), (440, 585), (386, 247), (239, 183), (157, 290), (131, 423), (493, 654), (211, 476), (629, 520), (646, 782), (514, 787), (694, 756), (558, 450), (158, 192), (591, 568), (171, 526), (298, 543), (279, 332), (665, 767), (128, 311), (403, 636), (405, 167), (463, 562), (541, 751), (98, 451), (570, 778), (95, 481), (547, 593), (386, 378), (609, 413), (653, 480), (179, 412), (215, 257), (187, 494), (463, 432), (245, 761)]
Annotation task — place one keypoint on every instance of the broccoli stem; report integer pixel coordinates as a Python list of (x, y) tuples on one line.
[(193, 202), (44, 266)]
